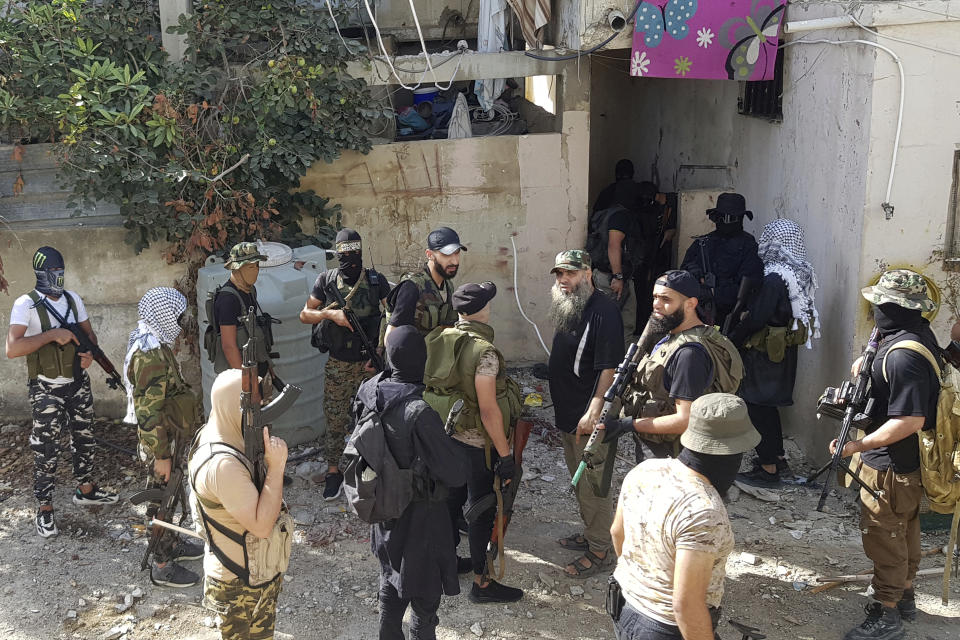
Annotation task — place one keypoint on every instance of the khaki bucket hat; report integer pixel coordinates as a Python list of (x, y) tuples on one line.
[(719, 425)]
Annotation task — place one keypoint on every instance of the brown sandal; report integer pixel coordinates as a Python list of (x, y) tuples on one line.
[(582, 571), (574, 542)]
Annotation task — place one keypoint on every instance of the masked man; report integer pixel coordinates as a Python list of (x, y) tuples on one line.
[(59, 387)]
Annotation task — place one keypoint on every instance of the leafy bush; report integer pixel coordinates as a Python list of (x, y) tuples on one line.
[(201, 153)]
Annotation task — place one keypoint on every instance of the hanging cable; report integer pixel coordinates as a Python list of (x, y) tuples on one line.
[(886, 204), (573, 56), (336, 26), (383, 51), (426, 53), (516, 293), (903, 40)]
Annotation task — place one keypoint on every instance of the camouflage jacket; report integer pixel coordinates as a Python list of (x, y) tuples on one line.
[(165, 405)]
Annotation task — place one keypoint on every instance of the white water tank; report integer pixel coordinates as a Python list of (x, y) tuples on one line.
[(285, 281)]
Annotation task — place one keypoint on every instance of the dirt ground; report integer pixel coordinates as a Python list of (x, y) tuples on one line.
[(86, 583)]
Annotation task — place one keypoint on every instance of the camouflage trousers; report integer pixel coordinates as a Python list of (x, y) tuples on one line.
[(248, 613), (56, 406), (340, 383)]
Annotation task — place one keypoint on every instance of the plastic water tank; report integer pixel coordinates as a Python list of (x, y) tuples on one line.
[(284, 283)]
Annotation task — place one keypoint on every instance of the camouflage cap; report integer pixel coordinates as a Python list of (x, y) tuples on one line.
[(243, 253), (571, 260), (902, 287)]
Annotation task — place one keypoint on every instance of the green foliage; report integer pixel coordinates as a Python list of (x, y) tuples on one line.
[(201, 153)]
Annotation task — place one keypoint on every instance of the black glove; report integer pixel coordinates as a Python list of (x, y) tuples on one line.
[(505, 467), (616, 427)]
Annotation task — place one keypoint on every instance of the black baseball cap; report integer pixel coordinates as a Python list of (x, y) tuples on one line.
[(683, 282), (470, 298), (445, 240)]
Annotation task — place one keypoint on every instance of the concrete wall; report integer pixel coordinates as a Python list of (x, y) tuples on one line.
[(104, 270), (532, 188)]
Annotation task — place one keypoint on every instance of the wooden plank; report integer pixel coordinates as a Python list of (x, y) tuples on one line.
[(35, 156), (35, 182)]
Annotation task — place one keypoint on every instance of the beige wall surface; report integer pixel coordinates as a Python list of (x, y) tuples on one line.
[(530, 188), (109, 277)]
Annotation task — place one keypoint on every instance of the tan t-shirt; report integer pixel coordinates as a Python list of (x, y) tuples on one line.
[(665, 508), (224, 480), (489, 365)]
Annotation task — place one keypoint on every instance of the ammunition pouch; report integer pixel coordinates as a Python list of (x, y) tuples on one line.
[(775, 340), (53, 360)]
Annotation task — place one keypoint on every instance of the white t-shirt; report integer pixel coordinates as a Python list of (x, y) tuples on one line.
[(24, 313), (666, 508)]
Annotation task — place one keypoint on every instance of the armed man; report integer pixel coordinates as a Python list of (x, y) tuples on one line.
[(58, 384), (723, 257), (166, 412), (905, 388), (463, 364), (230, 304), (690, 360), (422, 299), (363, 291)]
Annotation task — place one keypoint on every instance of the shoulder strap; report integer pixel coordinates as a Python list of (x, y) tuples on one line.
[(45, 324), (916, 347), (71, 308)]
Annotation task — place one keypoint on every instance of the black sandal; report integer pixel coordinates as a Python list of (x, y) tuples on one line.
[(574, 542), (582, 571)]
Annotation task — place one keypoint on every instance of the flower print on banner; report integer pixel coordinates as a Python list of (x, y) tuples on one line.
[(639, 64), (729, 40), (705, 37)]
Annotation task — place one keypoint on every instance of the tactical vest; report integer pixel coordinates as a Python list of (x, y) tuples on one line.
[(775, 340), (52, 360), (211, 337), (342, 343), (433, 308), (647, 397), (452, 358)]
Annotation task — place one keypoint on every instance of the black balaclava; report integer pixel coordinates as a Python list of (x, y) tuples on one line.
[(728, 228), (48, 266), (406, 354), (892, 317), (623, 170), (720, 470), (350, 263)]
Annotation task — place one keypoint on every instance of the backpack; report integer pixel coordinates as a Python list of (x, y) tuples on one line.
[(598, 237), (377, 489)]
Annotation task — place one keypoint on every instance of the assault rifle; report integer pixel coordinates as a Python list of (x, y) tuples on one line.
[(254, 417), (853, 399), (739, 312), (86, 345), (168, 497), (368, 348)]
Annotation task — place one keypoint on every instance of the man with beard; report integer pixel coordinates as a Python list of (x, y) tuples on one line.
[(905, 387), (692, 359), (423, 299), (417, 559), (725, 256), (672, 533), (58, 385), (587, 347), (347, 365)]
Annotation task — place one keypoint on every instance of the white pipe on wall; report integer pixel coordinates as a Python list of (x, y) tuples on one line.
[(838, 22)]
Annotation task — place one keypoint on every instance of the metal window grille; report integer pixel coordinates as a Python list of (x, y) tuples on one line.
[(951, 248), (764, 99)]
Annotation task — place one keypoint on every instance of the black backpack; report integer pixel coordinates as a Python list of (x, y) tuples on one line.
[(377, 489), (597, 239)]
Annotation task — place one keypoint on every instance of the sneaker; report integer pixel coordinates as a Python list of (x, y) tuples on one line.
[(96, 496), (494, 592), (757, 477), (464, 565), (882, 623), (173, 575), (908, 606), (334, 486), (188, 550), (46, 527)]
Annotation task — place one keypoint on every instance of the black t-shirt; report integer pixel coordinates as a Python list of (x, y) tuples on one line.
[(911, 389), (577, 359), (383, 287), (404, 303), (688, 372), (228, 310)]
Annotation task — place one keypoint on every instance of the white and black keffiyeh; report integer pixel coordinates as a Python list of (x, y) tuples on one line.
[(784, 252), (159, 310)]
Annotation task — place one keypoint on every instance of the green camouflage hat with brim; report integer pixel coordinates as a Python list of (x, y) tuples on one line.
[(571, 260), (902, 287), (243, 253)]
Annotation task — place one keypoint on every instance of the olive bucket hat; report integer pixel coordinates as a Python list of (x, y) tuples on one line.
[(902, 287), (243, 253), (719, 425)]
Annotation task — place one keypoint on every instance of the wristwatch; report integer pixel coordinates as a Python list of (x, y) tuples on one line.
[(617, 276)]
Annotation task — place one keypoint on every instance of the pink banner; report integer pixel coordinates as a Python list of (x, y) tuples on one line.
[(706, 39)]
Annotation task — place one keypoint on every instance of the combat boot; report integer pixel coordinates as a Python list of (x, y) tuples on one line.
[(882, 623)]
